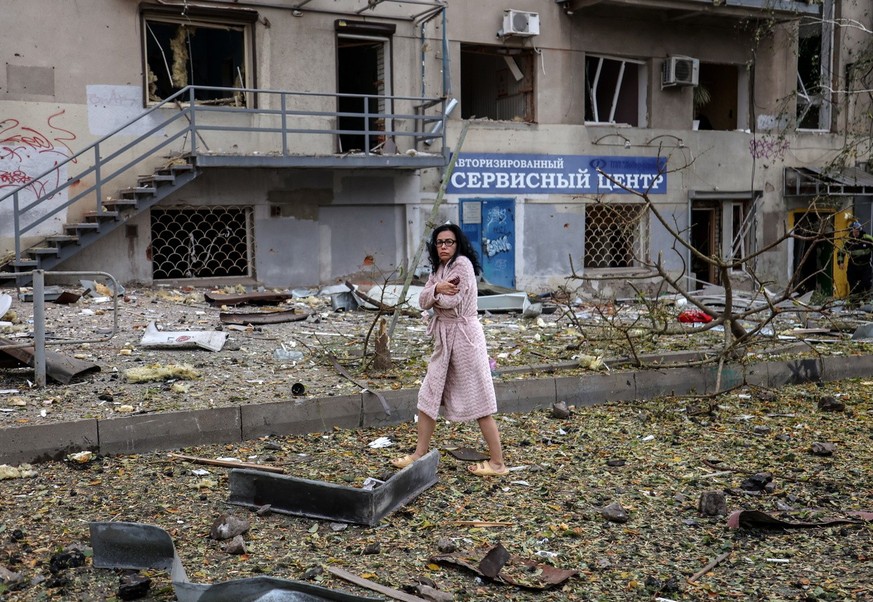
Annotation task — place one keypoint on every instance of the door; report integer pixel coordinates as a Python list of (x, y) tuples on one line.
[(704, 238), (814, 254), (490, 226)]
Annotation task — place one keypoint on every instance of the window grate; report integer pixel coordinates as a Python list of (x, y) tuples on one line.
[(615, 235), (213, 242)]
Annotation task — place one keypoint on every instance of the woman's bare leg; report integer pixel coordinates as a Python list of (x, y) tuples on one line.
[(492, 438), (425, 428)]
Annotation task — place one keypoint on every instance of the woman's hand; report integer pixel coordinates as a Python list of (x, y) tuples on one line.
[(448, 287)]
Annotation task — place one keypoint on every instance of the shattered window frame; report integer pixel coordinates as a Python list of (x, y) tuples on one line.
[(737, 227), (616, 236), (174, 55), (615, 88), (814, 70), (498, 83)]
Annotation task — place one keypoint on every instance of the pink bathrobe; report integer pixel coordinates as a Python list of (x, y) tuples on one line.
[(458, 375)]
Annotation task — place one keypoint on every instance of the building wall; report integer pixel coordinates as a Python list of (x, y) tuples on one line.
[(319, 226)]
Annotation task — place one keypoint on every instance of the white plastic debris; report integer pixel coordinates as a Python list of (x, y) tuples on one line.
[(380, 443)]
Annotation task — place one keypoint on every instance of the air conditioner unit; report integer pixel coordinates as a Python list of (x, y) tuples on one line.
[(520, 23), (680, 71)]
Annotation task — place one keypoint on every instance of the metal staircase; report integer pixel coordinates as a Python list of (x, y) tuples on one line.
[(54, 249), (98, 177)]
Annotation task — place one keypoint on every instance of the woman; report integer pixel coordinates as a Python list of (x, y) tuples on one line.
[(458, 376)]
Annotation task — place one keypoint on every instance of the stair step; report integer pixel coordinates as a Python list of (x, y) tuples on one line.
[(62, 239), (42, 251), (138, 191), (155, 177), (24, 263), (175, 168), (105, 216), (111, 204), (94, 226)]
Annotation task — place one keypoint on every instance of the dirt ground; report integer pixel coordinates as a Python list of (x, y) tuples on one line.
[(652, 457)]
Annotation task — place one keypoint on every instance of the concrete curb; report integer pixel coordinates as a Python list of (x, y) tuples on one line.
[(174, 430)]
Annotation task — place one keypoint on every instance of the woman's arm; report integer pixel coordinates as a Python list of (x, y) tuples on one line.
[(427, 297), (459, 280)]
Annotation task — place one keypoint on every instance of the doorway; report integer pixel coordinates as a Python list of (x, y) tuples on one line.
[(812, 264), (362, 70), (704, 238)]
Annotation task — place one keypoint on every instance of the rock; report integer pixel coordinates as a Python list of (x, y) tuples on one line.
[(615, 513), (560, 410), (756, 482), (7, 577), (65, 560), (236, 546), (372, 548), (615, 462), (312, 572), (823, 449), (829, 403), (265, 510), (133, 586), (446, 545), (765, 395), (430, 593), (228, 526), (712, 503), (761, 430)]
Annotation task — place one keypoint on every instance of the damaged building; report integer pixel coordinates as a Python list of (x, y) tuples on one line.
[(303, 142)]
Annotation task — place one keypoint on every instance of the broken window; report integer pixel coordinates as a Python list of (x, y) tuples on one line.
[(615, 235), (184, 51), (738, 230), (497, 83), (211, 242), (722, 228), (615, 91), (720, 97), (814, 44)]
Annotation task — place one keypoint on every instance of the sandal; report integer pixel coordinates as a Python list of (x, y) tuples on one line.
[(483, 469), (402, 462)]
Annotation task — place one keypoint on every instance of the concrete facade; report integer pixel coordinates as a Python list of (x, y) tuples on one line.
[(318, 225)]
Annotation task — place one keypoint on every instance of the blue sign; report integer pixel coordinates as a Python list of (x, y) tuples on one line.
[(493, 173)]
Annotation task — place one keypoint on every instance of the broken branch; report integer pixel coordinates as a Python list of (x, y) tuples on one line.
[(226, 463), (714, 563), (376, 587)]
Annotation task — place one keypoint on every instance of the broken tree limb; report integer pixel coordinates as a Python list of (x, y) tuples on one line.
[(481, 523), (714, 563), (429, 224), (383, 307), (226, 463), (376, 587), (348, 377)]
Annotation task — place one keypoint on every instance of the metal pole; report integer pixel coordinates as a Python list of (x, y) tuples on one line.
[(39, 327)]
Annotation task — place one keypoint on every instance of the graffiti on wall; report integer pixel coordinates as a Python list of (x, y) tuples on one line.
[(498, 224), (768, 147), (31, 155), (111, 107)]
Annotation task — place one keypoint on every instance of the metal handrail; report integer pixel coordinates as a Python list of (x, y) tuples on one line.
[(289, 108)]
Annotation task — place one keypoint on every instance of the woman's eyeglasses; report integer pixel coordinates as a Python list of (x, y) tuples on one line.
[(445, 243)]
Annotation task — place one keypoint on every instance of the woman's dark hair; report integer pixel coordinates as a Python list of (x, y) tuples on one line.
[(464, 248)]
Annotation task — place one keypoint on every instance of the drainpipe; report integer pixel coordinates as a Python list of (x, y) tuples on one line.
[(690, 284)]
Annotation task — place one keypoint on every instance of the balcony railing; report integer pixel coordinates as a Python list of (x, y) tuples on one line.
[(250, 127)]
